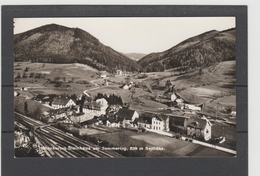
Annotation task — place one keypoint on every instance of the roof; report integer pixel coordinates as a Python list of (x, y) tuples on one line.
[(91, 105), (103, 72), (197, 123), (61, 101), (90, 122), (144, 119), (40, 97), (126, 113), (176, 120), (114, 120), (161, 117)]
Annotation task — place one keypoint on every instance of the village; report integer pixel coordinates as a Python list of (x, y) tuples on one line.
[(100, 114)]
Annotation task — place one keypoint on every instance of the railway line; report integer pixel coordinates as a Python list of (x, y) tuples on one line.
[(56, 143)]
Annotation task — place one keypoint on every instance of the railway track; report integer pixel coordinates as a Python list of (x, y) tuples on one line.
[(56, 143)]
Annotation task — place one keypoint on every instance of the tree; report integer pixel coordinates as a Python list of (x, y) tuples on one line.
[(200, 71), (18, 75), (127, 80), (36, 111), (31, 75), (26, 69), (56, 78), (26, 111), (24, 75)]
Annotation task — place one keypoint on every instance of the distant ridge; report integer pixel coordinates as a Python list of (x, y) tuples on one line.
[(198, 51), (135, 56)]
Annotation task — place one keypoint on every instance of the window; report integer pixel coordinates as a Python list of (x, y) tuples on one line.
[(207, 131)]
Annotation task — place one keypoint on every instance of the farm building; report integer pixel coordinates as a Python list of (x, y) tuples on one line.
[(103, 74), (61, 102), (199, 128)]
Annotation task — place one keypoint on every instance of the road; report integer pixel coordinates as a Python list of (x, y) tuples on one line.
[(56, 143)]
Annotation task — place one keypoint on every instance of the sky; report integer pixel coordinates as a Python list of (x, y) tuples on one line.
[(135, 35)]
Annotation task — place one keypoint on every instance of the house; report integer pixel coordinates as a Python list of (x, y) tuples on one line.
[(160, 122), (16, 93), (233, 113), (61, 102), (127, 86), (178, 124), (193, 107), (157, 122), (119, 72), (89, 107), (144, 122), (113, 122), (199, 128), (103, 105), (103, 74), (173, 97), (127, 114), (126, 117)]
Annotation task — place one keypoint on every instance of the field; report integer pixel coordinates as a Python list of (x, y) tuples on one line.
[(74, 78), (172, 147), (19, 104), (214, 86), (229, 132)]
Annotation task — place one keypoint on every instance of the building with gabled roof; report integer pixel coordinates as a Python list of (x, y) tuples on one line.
[(156, 122), (199, 128), (127, 114), (178, 124), (61, 102), (126, 117)]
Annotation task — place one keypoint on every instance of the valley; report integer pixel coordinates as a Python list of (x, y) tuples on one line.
[(184, 97)]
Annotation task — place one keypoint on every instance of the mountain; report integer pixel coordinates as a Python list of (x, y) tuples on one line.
[(135, 56), (59, 44), (196, 52)]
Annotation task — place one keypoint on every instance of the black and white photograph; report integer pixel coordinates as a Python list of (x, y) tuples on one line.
[(119, 87)]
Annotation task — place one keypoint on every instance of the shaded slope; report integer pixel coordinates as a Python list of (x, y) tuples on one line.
[(199, 51), (58, 44)]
